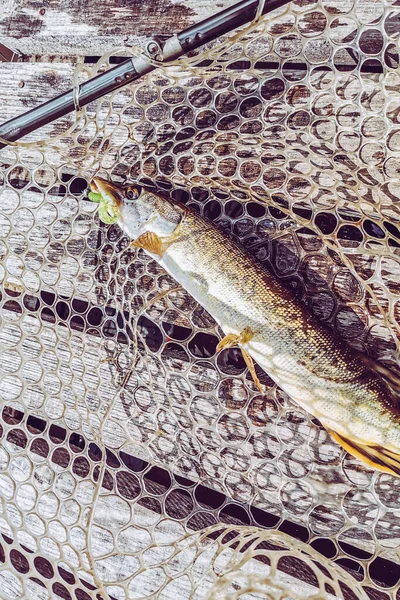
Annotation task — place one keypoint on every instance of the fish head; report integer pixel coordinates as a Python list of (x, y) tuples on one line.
[(134, 207)]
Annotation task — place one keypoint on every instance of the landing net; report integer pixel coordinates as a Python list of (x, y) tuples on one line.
[(134, 461)]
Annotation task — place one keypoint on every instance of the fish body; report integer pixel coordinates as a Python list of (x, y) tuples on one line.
[(333, 382)]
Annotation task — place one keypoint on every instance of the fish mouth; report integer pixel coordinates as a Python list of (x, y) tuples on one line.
[(109, 191)]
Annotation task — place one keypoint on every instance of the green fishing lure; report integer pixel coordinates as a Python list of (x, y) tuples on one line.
[(107, 214)]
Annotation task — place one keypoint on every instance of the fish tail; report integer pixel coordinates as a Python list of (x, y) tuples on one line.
[(375, 456)]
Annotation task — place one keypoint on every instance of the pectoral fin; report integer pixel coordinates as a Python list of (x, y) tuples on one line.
[(151, 242), (376, 457)]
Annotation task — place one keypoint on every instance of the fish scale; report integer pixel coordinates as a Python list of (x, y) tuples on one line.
[(322, 374)]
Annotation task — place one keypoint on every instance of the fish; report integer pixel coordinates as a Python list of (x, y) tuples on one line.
[(355, 398)]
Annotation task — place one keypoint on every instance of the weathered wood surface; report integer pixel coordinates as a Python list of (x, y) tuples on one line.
[(56, 34), (31, 84), (67, 27)]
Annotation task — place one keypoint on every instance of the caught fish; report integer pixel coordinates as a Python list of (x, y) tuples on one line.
[(354, 398)]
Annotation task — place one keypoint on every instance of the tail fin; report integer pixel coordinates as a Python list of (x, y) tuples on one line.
[(376, 457)]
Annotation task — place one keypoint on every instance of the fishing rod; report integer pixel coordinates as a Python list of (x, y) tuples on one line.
[(133, 68)]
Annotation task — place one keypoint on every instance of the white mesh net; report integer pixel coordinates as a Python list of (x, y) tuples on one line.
[(134, 461)]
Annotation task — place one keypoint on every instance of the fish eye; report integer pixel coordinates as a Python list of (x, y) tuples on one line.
[(132, 193)]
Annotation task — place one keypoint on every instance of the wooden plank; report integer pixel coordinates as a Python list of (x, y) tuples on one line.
[(93, 27), (30, 86)]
